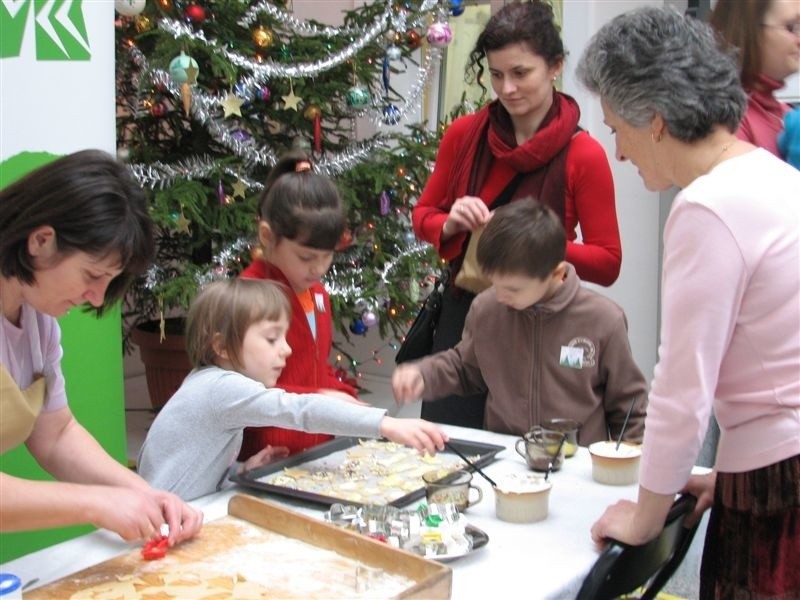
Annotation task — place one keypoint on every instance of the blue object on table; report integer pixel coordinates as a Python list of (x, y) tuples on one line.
[(10, 586)]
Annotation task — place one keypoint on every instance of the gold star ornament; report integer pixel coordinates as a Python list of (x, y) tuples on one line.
[(291, 101), (232, 105), (182, 224), (191, 74), (239, 188)]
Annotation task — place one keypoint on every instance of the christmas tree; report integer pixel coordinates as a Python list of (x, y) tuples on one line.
[(210, 94)]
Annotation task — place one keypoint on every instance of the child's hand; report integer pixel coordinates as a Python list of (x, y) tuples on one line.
[(407, 384), (340, 395), (424, 436), (267, 455)]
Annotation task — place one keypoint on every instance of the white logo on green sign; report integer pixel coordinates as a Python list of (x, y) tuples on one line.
[(58, 26)]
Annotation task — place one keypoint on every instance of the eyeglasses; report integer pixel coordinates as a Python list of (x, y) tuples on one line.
[(793, 28)]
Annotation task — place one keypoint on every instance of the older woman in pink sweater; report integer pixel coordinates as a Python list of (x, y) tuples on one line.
[(730, 332)]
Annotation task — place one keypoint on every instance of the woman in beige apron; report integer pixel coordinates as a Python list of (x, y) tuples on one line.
[(19, 408), (72, 233)]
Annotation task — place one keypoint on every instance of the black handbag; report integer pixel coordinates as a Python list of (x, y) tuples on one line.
[(419, 338)]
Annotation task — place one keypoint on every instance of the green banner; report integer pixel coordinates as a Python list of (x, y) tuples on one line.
[(58, 27)]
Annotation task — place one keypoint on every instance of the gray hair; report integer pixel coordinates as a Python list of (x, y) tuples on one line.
[(656, 61)]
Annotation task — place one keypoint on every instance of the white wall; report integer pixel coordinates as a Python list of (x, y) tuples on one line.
[(59, 105), (639, 211)]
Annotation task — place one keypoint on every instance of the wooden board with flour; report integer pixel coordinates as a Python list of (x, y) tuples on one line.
[(261, 550)]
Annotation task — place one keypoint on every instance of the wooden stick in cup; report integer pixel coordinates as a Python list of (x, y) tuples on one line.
[(555, 456), (475, 467), (625, 422)]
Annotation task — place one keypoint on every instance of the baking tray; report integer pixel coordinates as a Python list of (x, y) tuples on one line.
[(486, 453)]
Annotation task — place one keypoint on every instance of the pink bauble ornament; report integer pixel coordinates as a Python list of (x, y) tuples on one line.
[(439, 34), (369, 318)]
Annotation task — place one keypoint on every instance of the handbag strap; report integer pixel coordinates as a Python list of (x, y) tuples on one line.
[(505, 196)]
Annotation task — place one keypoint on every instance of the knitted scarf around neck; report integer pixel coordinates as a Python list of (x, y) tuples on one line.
[(492, 138)]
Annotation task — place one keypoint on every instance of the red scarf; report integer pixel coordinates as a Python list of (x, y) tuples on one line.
[(542, 157)]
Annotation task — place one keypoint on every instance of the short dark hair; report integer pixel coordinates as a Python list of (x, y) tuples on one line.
[(739, 24), (522, 238), (531, 23), (301, 205), (225, 310), (94, 206)]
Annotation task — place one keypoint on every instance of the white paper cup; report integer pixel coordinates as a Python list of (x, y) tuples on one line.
[(522, 498), (615, 467)]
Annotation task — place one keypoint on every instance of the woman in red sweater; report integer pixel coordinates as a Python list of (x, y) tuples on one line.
[(301, 222), (530, 130)]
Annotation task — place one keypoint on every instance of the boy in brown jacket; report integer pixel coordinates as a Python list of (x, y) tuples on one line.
[(537, 342)]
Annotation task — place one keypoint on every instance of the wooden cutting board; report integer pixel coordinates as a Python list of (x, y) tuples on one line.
[(261, 550)]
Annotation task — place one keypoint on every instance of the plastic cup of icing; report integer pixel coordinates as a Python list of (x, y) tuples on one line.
[(522, 498), (615, 466)]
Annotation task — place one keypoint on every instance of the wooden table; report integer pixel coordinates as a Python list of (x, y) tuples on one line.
[(548, 559)]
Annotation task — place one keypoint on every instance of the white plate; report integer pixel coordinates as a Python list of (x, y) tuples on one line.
[(478, 538)]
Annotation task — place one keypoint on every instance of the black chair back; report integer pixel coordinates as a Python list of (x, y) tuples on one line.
[(622, 569)]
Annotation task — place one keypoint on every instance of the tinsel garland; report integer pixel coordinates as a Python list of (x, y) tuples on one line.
[(263, 71), (160, 175), (221, 261), (203, 104), (426, 69), (344, 281), (350, 291), (305, 28)]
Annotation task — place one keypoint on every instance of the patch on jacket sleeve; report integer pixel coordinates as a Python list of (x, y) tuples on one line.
[(579, 353)]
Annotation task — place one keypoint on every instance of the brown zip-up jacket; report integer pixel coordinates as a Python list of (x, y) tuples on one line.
[(567, 357)]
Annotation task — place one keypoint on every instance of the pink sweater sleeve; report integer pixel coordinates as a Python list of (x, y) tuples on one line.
[(704, 279)]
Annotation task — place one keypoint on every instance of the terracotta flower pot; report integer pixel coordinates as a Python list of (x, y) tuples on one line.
[(166, 362)]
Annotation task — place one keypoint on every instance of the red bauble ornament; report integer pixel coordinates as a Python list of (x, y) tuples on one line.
[(413, 38), (158, 109), (195, 13), (345, 241)]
